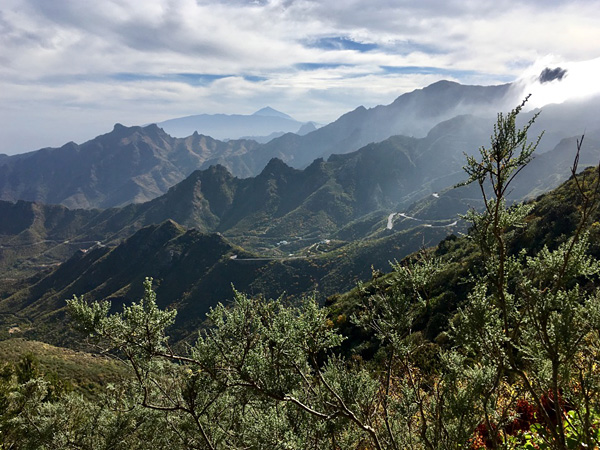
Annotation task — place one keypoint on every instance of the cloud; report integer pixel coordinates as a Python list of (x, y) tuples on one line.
[(567, 81), (136, 62)]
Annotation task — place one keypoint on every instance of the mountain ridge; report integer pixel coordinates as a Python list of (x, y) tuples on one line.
[(192, 271), (126, 165), (135, 164)]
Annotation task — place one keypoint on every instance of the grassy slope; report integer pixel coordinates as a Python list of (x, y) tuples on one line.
[(87, 373)]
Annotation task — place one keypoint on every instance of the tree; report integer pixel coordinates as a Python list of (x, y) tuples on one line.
[(262, 376), (527, 320), (37, 413)]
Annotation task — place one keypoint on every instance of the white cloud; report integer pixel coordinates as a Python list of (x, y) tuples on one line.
[(579, 81), (83, 64)]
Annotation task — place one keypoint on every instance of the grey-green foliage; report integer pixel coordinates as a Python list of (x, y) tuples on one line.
[(33, 415), (421, 408), (528, 319), (263, 375)]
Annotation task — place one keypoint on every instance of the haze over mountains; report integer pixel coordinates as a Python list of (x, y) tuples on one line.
[(421, 141), (265, 124)]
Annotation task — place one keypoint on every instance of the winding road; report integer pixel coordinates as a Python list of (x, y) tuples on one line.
[(390, 220)]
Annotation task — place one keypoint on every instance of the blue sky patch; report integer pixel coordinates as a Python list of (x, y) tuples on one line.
[(197, 79), (454, 73), (409, 46), (254, 78), (317, 66), (429, 70), (342, 43)]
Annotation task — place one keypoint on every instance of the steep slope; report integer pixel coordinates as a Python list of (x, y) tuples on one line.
[(565, 120), (193, 271), (550, 169), (411, 114), (35, 236), (555, 216)]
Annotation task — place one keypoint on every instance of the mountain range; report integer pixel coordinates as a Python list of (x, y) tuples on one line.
[(193, 271), (137, 164), (339, 198), (127, 165), (144, 176), (346, 198)]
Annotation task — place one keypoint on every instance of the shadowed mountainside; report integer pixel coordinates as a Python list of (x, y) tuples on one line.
[(127, 165)]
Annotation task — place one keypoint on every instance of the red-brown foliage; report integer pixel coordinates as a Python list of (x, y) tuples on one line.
[(525, 417)]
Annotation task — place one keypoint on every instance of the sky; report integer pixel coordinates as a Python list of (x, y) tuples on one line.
[(71, 69)]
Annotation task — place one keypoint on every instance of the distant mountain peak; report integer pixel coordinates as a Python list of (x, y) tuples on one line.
[(152, 127), (270, 112), (442, 83), (276, 166), (122, 131), (263, 122), (433, 88), (170, 227), (306, 128)]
